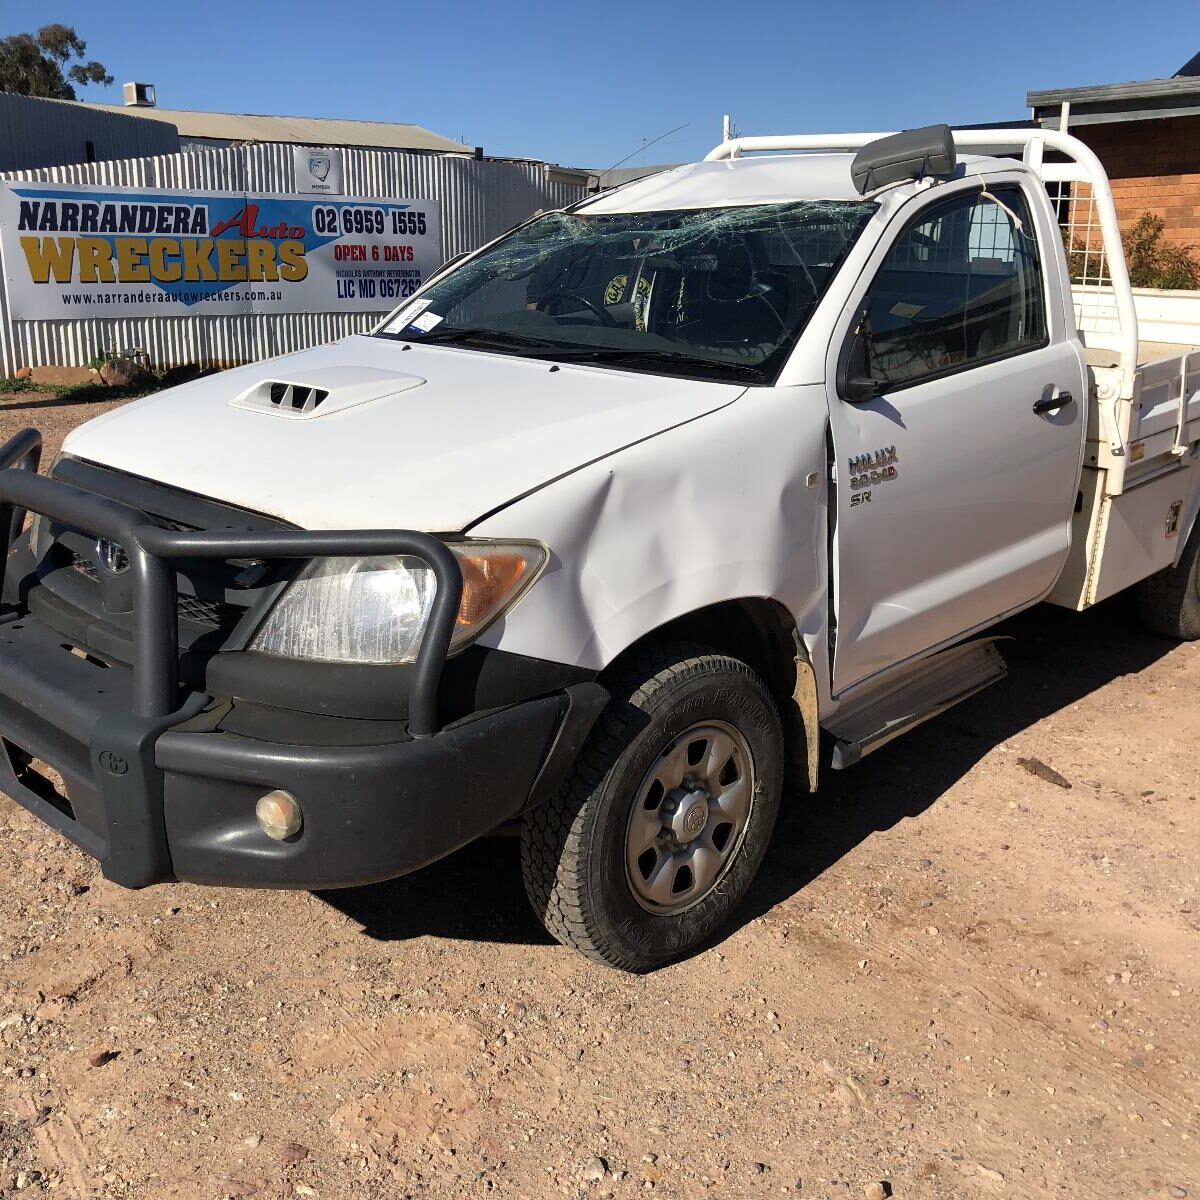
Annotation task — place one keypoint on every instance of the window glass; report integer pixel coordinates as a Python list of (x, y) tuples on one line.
[(961, 285), (719, 293)]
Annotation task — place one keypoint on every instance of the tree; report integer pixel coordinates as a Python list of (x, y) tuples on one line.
[(36, 65), (1154, 263)]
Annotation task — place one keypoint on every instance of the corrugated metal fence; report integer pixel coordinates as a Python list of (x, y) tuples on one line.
[(479, 200)]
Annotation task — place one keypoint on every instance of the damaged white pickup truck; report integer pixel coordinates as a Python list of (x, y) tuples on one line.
[(601, 532)]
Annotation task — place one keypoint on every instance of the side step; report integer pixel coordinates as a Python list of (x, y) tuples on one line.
[(911, 696)]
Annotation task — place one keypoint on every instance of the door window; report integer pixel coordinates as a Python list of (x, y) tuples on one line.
[(961, 285)]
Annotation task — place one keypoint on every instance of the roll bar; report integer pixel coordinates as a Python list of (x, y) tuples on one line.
[(1032, 145)]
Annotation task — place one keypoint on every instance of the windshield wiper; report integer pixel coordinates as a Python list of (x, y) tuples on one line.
[(644, 354), (498, 339)]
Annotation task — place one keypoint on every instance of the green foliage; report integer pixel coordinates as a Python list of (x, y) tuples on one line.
[(37, 64), (141, 357), (16, 385), (1154, 263)]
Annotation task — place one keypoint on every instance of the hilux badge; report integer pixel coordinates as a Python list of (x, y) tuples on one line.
[(111, 557)]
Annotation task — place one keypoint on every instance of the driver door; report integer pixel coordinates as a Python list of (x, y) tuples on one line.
[(957, 418)]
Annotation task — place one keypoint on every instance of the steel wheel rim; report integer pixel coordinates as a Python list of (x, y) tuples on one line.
[(689, 817)]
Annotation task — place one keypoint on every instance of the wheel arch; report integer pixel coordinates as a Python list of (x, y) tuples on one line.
[(762, 633)]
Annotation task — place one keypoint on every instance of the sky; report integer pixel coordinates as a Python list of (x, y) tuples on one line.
[(591, 84)]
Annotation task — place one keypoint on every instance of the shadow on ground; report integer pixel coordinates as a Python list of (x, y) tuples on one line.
[(1056, 657), (86, 394)]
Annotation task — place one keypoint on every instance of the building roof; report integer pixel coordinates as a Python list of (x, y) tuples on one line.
[(304, 131), (1137, 100)]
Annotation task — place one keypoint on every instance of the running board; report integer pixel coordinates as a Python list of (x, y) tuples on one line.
[(908, 698)]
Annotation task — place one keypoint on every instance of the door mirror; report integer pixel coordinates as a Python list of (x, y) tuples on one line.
[(857, 383)]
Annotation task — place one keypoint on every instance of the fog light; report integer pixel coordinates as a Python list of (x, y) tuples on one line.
[(279, 815)]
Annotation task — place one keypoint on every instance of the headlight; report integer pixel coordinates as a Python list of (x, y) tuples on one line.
[(374, 610)]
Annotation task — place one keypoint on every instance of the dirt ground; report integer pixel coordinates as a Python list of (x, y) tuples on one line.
[(955, 978)]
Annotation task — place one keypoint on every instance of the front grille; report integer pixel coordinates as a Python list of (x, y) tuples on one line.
[(209, 612), (87, 569), (216, 614), (213, 595)]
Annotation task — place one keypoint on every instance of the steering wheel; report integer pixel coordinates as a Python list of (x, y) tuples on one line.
[(602, 314)]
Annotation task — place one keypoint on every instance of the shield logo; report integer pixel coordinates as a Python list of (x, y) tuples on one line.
[(318, 166), (112, 557)]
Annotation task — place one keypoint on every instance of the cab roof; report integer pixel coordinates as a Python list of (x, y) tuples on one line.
[(754, 179)]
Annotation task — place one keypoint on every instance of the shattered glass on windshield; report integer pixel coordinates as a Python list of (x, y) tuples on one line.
[(718, 293)]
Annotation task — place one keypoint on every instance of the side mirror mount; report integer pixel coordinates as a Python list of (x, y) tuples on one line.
[(857, 384)]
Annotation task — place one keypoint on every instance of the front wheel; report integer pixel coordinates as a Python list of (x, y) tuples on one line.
[(656, 836)]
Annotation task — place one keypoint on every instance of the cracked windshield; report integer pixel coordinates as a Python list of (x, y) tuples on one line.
[(713, 293)]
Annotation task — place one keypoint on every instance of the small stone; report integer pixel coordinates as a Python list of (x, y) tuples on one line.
[(1041, 770), (877, 1191), (1176, 1192), (103, 1058), (761, 1168), (254, 1141), (650, 1158), (291, 1153), (989, 1174), (23, 373), (302, 1189), (932, 930), (595, 1170)]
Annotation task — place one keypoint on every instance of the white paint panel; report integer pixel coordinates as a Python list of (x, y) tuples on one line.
[(714, 510), (483, 429)]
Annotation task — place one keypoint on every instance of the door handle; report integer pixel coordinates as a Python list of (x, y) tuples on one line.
[(1049, 404)]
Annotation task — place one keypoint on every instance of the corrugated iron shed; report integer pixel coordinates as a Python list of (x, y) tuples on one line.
[(35, 132), (214, 127)]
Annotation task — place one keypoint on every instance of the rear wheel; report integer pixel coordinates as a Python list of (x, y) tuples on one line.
[(1169, 601), (655, 838)]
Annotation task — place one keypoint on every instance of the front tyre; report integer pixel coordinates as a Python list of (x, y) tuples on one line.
[(656, 836)]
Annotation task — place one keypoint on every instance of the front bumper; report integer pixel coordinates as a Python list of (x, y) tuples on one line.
[(161, 783)]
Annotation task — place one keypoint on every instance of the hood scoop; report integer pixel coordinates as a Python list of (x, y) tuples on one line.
[(323, 390)]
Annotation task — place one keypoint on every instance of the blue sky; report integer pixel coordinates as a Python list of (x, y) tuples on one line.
[(587, 84)]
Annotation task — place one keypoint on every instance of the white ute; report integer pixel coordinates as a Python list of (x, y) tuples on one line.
[(601, 531)]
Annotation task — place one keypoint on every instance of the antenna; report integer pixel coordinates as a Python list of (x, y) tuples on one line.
[(646, 146)]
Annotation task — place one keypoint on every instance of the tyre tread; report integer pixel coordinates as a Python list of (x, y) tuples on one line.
[(1167, 601), (555, 836)]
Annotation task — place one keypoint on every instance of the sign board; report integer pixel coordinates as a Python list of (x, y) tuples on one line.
[(91, 251), (318, 169)]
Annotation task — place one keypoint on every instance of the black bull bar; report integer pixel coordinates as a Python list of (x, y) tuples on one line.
[(122, 747)]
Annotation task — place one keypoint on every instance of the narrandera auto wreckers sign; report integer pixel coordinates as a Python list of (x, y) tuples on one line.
[(97, 252)]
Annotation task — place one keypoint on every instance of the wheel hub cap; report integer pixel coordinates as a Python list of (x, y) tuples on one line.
[(689, 816)]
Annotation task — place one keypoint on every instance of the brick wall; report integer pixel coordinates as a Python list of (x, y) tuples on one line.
[(1154, 167)]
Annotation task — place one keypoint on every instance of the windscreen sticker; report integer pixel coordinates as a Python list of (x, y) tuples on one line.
[(407, 313), (903, 309), (425, 321)]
